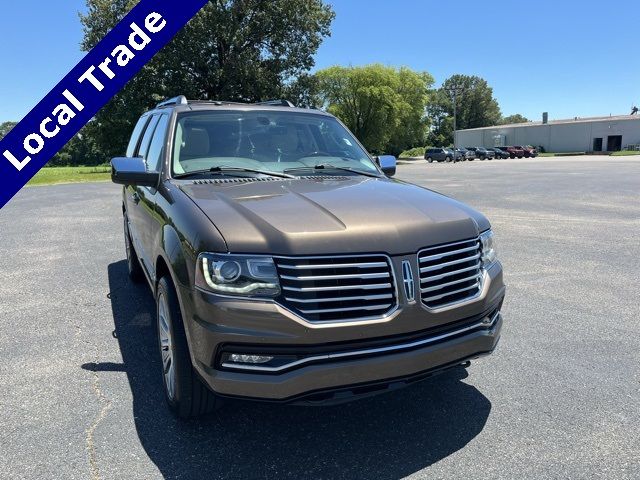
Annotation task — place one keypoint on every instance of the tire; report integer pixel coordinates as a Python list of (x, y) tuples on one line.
[(133, 263), (429, 159), (184, 392), (447, 159)]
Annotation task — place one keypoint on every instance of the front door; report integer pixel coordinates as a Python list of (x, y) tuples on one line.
[(148, 217), (139, 202)]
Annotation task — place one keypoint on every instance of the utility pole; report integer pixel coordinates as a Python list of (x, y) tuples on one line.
[(454, 92)]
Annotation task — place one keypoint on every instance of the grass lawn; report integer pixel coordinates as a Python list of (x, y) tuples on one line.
[(625, 152), (51, 175), (564, 154)]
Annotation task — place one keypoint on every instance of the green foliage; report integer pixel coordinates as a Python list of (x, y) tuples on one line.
[(242, 50), (475, 107), (80, 150), (517, 118), (413, 152), (6, 128), (383, 106)]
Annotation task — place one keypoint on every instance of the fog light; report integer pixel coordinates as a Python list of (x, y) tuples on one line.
[(490, 320), (242, 358)]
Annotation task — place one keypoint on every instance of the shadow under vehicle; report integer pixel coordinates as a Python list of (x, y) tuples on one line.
[(386, 437)]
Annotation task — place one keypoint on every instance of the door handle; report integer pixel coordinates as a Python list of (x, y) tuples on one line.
[(135, 198)]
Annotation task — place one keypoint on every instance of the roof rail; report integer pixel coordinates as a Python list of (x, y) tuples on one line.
[(213, 102), (277, 103), (179, 100)]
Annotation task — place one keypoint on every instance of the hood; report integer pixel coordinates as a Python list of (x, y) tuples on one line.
[(331, 215)]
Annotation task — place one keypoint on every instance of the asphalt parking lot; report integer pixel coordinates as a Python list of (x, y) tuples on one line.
[(80, 390)]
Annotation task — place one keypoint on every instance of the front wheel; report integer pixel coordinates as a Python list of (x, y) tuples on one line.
[(429, 159), (184, 392), (447, 159)]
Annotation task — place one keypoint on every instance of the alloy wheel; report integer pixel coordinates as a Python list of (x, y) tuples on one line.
[(166, 347)]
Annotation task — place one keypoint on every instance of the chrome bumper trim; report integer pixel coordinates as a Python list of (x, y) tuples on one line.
[(485, 323)]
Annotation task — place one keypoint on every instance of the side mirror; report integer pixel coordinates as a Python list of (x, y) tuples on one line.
[(387, 164), (132, 171)]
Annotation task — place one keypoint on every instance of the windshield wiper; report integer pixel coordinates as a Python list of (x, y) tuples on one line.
[(224, 169), (328, 166)]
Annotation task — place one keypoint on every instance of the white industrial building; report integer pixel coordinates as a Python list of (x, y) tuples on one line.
[(596, 134)]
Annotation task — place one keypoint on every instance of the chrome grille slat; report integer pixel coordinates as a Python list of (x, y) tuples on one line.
[(374, 286), (341, 288), (448, 284), (347, 309), (447, 254), (335, 265), (438, 297), (448, 264), (446, 273), (339, 299), (432, 278), (335, 277)]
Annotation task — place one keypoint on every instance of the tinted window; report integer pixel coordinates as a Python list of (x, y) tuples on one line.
[(135, 136), (148, 134), (155, 149)]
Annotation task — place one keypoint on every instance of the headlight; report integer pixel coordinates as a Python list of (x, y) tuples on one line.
[(246, 275), (489, 251)]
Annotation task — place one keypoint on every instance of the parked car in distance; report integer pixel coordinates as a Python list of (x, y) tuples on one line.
[(529, 151), (440, 155), (465, 154), (482, 153), (514, 151), (499, 153), (287, 266)]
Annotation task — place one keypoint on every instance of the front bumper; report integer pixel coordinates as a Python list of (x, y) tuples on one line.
[(410, 343)]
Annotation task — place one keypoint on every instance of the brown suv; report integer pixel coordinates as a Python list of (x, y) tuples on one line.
[(288, 266)]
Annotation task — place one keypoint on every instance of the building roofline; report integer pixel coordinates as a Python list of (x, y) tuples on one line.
[(568, 121)]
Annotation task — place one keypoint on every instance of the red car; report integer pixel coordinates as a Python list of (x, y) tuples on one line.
[(529, 151), (514, 151)]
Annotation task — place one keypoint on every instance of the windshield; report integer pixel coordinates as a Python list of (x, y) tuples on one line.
[(264, 140)]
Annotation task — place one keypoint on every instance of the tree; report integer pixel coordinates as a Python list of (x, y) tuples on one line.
[(239, 50), (80, 150), (6, 128), (517, 118), (383, 106), (475, 107)]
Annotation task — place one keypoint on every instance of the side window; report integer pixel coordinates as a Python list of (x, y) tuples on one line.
[(135, 136), (155, 149), (148, 134)]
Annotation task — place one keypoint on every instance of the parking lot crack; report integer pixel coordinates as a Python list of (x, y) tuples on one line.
[(106, 405)]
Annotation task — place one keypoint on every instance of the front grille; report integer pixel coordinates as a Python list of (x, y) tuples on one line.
[(450, 273), (324, 289)]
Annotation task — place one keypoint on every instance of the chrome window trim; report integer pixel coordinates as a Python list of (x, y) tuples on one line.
[(356, 353)]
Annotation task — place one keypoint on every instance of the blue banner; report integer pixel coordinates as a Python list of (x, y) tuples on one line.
[(105, 70)]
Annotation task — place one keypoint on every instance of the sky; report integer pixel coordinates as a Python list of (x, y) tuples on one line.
[(568, 57)]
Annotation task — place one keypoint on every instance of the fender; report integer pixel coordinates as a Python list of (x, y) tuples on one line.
[(174, 256)]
